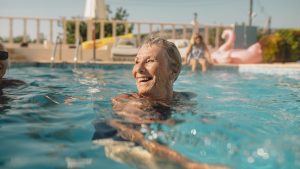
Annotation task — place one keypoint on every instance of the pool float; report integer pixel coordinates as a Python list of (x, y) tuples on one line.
[(246, 56), (225, 54), (230, 39), (102, 42)]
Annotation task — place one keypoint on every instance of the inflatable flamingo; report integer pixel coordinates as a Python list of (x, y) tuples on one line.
[(221, 55), (230, 39), (246, 56), (227, 55)]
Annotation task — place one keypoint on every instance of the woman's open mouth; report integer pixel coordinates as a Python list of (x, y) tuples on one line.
[(144, 79)]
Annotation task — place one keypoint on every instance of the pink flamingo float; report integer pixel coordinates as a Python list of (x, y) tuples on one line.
[(226, 54)]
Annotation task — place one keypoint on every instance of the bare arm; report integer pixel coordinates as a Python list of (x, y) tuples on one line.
[(130, 109), (159, 150), (189, 49)]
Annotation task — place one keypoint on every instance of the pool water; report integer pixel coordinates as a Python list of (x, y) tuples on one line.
[(238, 119)]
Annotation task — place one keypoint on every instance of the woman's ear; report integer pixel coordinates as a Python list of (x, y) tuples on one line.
[(2, 70), (173, 76)]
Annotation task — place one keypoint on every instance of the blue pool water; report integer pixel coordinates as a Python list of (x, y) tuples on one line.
[(238, 119)]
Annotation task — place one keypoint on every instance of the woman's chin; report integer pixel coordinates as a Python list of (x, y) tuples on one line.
[(145, 89), (144, 92)]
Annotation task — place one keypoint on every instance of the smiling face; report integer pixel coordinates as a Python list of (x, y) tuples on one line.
[(152, 73)]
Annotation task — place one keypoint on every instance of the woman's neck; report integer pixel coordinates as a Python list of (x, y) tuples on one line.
[(166, 98)]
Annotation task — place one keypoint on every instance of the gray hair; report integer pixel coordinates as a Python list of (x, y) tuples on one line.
[(172, 51)]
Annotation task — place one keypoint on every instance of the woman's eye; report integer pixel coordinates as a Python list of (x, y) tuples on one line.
[(149, 60)]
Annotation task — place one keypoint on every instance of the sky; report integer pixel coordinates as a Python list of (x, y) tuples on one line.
[(284, 13)]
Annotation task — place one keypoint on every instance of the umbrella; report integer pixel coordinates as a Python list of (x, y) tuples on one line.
[(95, 9)]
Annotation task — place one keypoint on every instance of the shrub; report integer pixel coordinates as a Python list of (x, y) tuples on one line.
[(281, 46)]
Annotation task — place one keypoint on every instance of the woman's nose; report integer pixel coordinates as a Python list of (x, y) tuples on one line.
[(140, 68)]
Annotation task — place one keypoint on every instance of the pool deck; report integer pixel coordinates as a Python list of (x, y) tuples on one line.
[(273, 65), (39, 54), (271, 69)]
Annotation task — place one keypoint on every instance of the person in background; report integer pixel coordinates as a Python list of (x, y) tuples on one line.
[(157, 66), (3, 69), (198, 52)]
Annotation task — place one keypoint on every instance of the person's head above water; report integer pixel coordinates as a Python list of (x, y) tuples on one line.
[(157, 66), (3, 60)]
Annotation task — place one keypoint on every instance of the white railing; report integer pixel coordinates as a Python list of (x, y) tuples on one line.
[(168, 30)]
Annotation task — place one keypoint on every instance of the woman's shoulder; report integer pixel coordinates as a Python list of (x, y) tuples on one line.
[(125, 96), (184, 95), (120, 101)]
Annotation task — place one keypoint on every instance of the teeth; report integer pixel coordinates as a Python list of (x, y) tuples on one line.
[(144, 79)]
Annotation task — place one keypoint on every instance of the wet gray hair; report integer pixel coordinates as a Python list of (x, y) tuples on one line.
[(174, 56)]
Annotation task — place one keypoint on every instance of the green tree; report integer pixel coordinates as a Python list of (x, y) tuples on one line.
[(19, 39), (121, 14)]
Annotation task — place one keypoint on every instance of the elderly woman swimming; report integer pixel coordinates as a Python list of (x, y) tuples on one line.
[(3, 68), (3, 61), (157, 66)]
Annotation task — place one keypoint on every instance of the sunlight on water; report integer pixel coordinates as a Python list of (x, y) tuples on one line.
[(241, 120)]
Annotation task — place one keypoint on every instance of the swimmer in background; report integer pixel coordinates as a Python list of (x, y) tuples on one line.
[(198, 52), (157, 66), (4, 83)]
